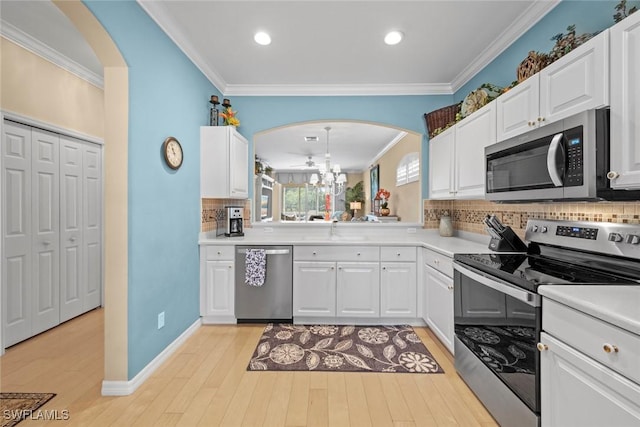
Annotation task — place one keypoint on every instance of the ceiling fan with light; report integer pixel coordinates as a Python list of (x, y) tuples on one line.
[(309, 164)]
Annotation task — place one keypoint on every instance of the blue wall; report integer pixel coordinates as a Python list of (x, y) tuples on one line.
[(588, 16), (168, 96)]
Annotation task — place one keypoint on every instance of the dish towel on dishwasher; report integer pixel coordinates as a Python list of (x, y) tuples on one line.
[(255, 267)]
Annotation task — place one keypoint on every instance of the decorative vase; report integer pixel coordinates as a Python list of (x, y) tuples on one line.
[(446, 228), (385, 211)]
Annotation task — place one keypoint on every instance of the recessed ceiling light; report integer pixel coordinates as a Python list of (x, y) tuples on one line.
[(262, 38), (393, 37)]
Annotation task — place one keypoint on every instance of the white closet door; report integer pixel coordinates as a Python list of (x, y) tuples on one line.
[(16, 230), (91, 222), (45, 208), (71, 229)]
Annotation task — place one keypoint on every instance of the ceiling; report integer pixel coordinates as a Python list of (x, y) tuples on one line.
[(321, 47)]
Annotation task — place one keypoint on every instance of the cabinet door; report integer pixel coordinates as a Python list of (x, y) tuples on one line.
[(517, 110), (218, 289), (71, 256), (440, 306), (239, 166), (441, 152), (358, 289), (398, 289), (16, 230), (571, 382), (472, 135), (314, 289), (625, 103), (45, 193), (577, 82)]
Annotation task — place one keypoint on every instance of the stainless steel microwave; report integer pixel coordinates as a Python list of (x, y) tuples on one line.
[(564, 160)]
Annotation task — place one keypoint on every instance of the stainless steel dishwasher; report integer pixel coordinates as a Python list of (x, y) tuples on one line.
[(273, 301)]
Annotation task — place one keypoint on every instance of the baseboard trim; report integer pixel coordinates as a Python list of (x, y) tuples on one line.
[(124, 388)]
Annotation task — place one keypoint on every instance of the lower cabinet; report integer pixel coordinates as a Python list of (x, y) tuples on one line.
[(398, 289), (314, 289), (578, 391), (217, 288), (437, 294), (358, 289)]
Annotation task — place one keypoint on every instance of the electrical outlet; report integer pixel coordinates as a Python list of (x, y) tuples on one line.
[(161, 320)]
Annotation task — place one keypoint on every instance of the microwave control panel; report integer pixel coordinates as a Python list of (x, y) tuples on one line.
[(574, 175)]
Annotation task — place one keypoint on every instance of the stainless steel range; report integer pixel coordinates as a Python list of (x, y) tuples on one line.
[(497, 309)]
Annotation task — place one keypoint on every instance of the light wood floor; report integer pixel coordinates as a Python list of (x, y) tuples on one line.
[(205, 383)]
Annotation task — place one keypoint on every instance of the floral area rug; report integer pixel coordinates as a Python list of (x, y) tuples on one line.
[(14, 407), (287, 347)]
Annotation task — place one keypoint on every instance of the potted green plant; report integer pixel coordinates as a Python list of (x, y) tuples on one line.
[(354, 194)]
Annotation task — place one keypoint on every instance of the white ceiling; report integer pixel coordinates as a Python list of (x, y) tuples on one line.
[(321, 47)]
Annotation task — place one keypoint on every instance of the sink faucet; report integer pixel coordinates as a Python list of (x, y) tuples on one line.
[(334, 224)]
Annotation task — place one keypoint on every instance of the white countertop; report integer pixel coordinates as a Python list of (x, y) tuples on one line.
[(365, 236), (618, 305)]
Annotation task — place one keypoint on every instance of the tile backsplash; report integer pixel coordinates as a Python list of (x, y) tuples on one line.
[(213, 213), (467, 215)]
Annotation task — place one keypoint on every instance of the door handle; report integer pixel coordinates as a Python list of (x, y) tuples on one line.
[(555, 148)]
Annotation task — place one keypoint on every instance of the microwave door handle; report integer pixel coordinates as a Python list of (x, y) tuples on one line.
[(556, 144)]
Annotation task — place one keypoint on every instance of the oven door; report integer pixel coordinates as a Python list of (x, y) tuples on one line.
[(500, 323)]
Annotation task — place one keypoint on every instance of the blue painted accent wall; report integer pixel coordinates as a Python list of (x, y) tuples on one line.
[(168, 96), (588, 15), (259, 113)]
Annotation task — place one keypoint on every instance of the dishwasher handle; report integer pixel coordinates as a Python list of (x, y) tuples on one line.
[(270, 251)]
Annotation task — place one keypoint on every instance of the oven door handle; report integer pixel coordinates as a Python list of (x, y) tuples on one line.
[(506, 288)]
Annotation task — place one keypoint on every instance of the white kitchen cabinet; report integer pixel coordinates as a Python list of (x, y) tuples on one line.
[(52, 251), (314, 288), (224, 163), (576, 82), (398, 282), (217, 288), (456, 157), (473, 134), (358, 289), (625, 103), (441, 158), (437, 276), (398, 289)]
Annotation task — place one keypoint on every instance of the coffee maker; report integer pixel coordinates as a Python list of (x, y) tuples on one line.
[(234, 221)]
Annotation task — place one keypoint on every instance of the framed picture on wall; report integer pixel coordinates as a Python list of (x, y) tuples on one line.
[(374, 176)]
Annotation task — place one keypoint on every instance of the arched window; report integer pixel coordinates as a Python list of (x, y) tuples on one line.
[(408, 169)]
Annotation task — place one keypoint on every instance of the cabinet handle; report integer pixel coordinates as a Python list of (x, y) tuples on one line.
[(436, 261), (398, 254), (46, 243), (314, 253), (358, 254), (384, 268), (229, 266), (333, 268), (610, 348), (542, 347), (541, 119), (219, 253), (612, 174), (72, 239)]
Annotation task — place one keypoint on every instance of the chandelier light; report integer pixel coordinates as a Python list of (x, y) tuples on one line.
[(330, 177)]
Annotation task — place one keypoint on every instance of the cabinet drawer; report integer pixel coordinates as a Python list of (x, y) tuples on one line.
[(590, 335), (397, 253), (336, 253), (219, 252), (442, 263)]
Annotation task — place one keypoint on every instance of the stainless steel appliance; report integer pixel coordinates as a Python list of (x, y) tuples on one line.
[(273, 301), (568, 159), (234, 223), (497, 309)]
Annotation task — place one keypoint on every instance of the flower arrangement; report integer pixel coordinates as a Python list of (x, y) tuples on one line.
[(229, 117), (383, 195)]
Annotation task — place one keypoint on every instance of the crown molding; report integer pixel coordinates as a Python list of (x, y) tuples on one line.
[(388, 147), (339, 90), (24, 40), (513, 32), (159, 14)]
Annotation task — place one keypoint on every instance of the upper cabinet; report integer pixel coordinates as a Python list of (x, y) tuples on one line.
[(224, 163), (456, 156), (625, 103), (575, 83)]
